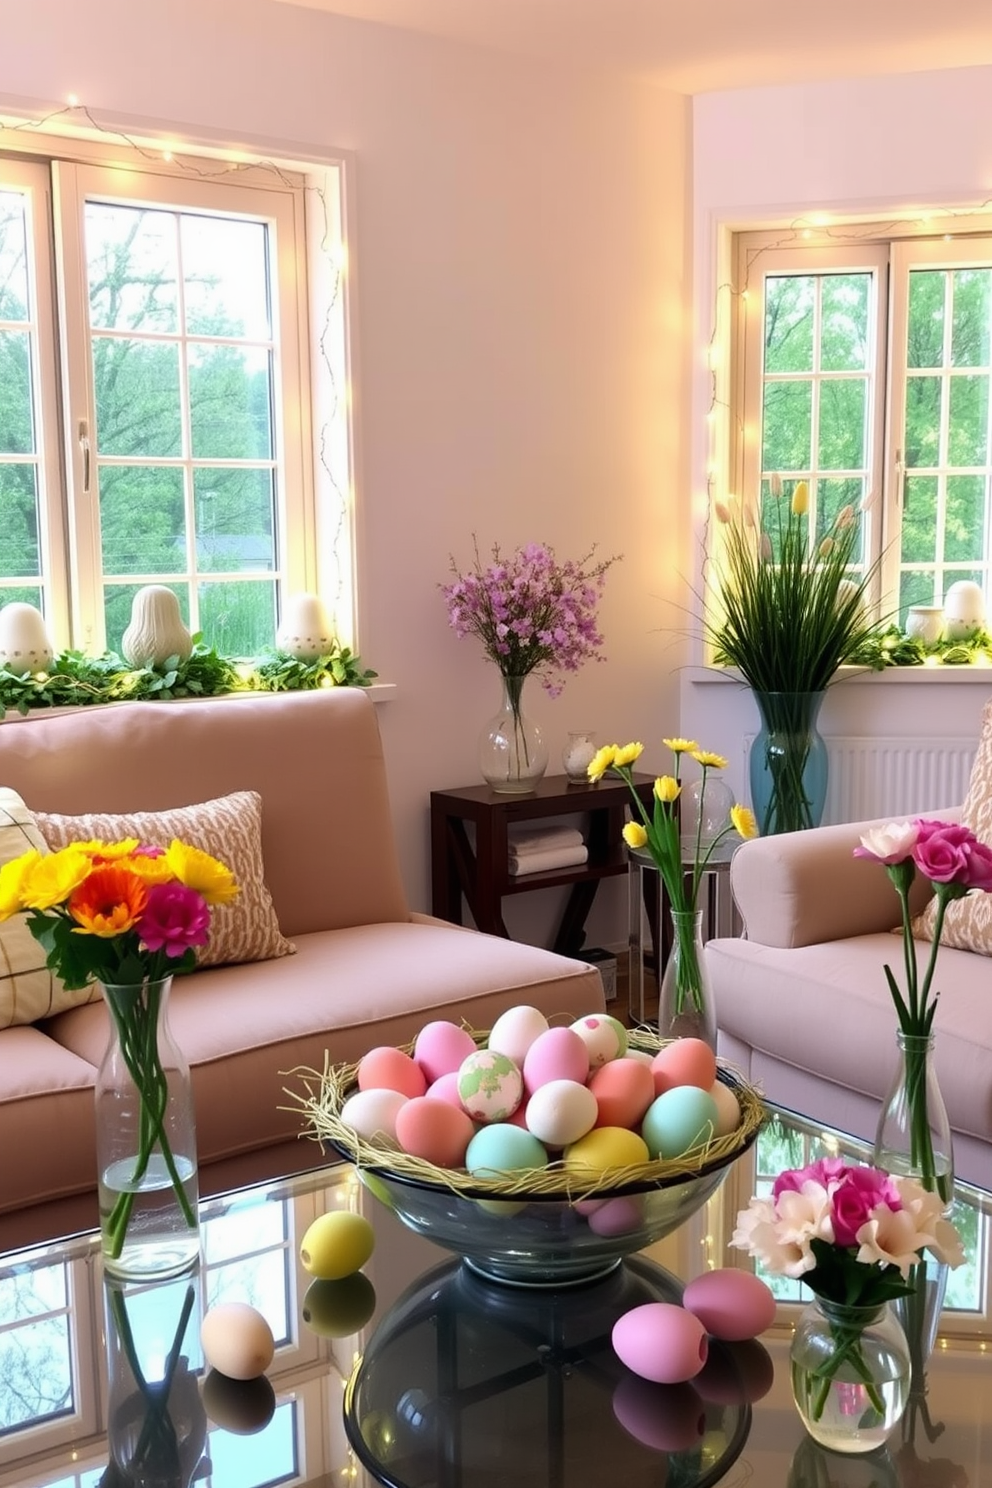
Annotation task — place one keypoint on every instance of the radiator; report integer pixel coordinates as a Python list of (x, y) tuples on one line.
[(893, 777)]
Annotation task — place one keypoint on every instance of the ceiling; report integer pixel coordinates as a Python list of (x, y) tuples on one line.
[(696, 46)]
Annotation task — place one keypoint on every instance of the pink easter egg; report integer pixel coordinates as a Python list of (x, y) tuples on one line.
[(434, 1131), (440, 1048), (661, 1342), (445, 1088), (621, 1216), (558, 1054), (735, 1373), (666, 1418), (386, 1068), (731, 1304), (624, 1089), (684, 1061)]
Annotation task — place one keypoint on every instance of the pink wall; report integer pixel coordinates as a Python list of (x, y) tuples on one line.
[(862, 148), (521, 258)]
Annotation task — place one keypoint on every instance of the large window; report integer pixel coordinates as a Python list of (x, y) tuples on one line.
[(863, 367), (155, 396)]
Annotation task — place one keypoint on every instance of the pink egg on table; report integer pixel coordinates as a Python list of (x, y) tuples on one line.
[(620, 1216), (731, 1304), (440, 1048), (445, 1088), (558, 1054), (661, 1341), (624, 1089), (434, 1131), (666, 1418), (684, 1061), (386, 1068)]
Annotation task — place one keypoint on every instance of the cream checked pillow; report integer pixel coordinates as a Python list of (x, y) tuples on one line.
[(968, 921), (230, 829), (28, 990)]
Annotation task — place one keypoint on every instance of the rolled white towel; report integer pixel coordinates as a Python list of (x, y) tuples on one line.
[(521, 841), (543, 862)]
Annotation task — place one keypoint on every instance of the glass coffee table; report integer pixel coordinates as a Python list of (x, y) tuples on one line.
[(421, 1374)]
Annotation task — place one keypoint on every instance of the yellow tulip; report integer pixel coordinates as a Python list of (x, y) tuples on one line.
[(744, 821), (628, 754), (800, 499), (667, 788), (634, 835), (601, 762)]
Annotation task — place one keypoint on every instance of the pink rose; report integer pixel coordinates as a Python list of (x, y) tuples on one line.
[(174, 919), (856, 1197), (825, 1171), (950, 853)]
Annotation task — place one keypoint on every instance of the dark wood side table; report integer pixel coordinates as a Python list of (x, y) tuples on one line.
[(480, 870)]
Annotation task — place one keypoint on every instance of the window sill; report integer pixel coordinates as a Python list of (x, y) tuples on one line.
[(928, 676)]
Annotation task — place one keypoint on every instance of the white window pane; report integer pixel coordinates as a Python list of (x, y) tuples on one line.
[(131, 268), (225, 278)]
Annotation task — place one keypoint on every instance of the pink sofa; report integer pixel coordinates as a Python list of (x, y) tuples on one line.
[(803, 1006), (366, 971)]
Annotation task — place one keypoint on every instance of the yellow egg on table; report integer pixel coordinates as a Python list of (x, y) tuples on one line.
[(337, 1244)]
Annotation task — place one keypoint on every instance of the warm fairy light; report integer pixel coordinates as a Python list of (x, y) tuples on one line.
[(807, 233), (73, 100), (168, 155)]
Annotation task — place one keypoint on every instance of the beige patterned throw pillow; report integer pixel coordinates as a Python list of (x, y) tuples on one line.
[(968, 921), (229, 828), (28, 990)]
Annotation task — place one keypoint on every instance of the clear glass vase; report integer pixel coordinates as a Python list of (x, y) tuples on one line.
[(513, 754), (686, 1007), (787, 765), (577, 755), (913, 1137), (145, 1139), (850, 1372)]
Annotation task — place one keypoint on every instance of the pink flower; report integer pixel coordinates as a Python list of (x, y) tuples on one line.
[(892, 843), (825, 1171), (856, 1197), (950, 853), (174, 919)]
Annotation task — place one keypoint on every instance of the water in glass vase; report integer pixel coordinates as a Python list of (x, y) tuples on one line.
[(158, 1240)]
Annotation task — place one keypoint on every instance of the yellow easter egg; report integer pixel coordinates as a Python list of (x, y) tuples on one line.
[(334, 1309), (337, 1244), (606, 1147)]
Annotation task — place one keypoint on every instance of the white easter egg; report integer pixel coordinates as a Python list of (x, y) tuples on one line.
[(24, 643), (305, 631)]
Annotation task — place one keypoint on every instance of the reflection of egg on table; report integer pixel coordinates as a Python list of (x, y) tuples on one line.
[(237, 1340)]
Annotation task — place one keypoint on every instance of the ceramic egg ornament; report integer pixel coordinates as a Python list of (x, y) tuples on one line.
[(24, 644), (964, 610), (305, 631)]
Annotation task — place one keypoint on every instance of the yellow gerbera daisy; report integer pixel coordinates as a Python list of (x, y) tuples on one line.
[(199, 871), (744, 820), (627, 754), (634, 835), (152, 867), (108, 852), (53, 878), (12, 879), (680, 746), (667, 788), (710, 760), (601, 762)]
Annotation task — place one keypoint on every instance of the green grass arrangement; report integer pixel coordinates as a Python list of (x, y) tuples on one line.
[(75, 680), (791, 612)]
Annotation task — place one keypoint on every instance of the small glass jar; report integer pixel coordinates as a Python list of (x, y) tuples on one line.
[(578, 754), (850, 1369)]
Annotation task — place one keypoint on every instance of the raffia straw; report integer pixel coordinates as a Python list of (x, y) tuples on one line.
[(326, 1094)]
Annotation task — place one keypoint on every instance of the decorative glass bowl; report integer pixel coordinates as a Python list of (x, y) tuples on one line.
[(540, 1227)]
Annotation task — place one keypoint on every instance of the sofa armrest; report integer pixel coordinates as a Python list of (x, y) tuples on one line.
[(803, 888)]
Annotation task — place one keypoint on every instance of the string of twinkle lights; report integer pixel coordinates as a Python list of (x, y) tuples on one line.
[(813, 231), (214, 163)]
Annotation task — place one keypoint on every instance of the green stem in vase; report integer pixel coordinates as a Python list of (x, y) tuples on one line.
[(688, 978), (788, 720), (847, 1350)]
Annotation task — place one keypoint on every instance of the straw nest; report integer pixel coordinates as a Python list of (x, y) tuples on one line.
[(324, 1099)]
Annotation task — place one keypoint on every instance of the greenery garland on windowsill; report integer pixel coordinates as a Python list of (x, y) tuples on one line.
[(75, 680), (893, 648)]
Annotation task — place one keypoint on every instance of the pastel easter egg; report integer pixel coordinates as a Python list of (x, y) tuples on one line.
[(621, 1216), (679, 1121), (435, 1131), (666, 1418), (558, 1054), (445, 1088), (501, 1148), (735, 1373), (728, 1108), (490, 1085), (624, 1089), (386, 1068), (603, 1148), (731, 1304), (336, 1244), (684, 1061), (641, 1055), (661, 1341), (440, 1048), (515, 1030), (561, 1112), (237, 1340), (604, 1037), (372, 1114)]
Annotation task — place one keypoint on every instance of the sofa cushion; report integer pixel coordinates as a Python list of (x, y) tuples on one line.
[(230, 829), (246, 1031), (46, 1119), (968, 922), (28, 990)]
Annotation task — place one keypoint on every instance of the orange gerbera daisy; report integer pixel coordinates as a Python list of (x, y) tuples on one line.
[(108, 902)]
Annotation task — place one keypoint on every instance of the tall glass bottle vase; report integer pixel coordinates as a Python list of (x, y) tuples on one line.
[(788, 763), (913, 1137), (685, 998), (513, 754), (145, 1139)]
